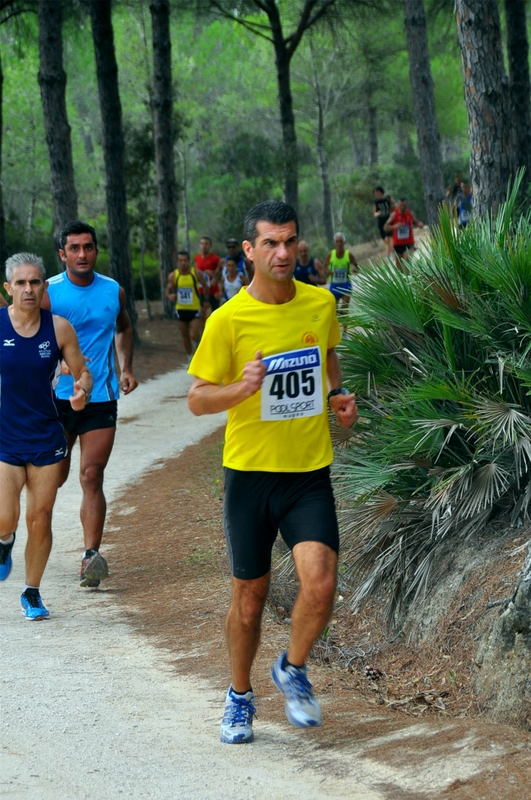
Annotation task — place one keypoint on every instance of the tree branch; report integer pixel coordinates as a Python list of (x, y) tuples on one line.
[(307, 20), (253, 27)]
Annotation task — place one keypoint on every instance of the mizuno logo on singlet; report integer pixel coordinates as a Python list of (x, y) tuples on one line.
[(9, 342), (309, 359)]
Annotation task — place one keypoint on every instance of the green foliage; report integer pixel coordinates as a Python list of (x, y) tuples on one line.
[(440, 361)]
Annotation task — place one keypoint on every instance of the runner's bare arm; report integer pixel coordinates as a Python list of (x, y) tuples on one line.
[(390, 224), (321, 270), (170, 288), (326, 269), (343, 405), (123, 339), (67, 341), (204, 283), (353, 261), (210, 398), (3, 301)]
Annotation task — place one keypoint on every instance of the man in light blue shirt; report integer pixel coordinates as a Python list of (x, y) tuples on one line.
[(95, 305)]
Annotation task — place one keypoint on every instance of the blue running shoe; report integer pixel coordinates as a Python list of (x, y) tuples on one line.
[(6, 562), (302, 709), (237, 722), (32, 605)]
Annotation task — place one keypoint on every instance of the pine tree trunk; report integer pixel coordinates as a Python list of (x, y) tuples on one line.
[(487, 101), (372, 128), (287, 121), (328, 222), (113, 151), (164, 137), (3, 243), (519, 83), (52, 81), (429, 143)]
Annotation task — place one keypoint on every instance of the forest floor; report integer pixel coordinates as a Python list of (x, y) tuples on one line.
[(373, 685)]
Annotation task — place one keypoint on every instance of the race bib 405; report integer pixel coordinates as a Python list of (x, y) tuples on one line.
[(293, 385)]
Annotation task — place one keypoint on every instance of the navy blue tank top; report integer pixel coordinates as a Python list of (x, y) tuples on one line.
[(303, 273), (29, 368)]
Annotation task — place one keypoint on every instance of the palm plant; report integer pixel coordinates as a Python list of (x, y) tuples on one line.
[(440, 361)]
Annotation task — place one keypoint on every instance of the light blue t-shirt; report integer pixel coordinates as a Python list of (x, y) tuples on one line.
[(92, 311)]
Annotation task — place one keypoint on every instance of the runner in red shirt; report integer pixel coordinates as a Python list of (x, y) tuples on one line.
[(401, 223), (208, 263)]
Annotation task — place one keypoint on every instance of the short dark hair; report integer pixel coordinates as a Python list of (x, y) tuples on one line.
[(183, 253), (273, 211), (379, 189), (76, 226), (402, 199), (207, 238), (232, 258)]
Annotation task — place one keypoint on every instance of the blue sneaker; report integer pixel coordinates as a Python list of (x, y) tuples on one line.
[(6, 562), (237, 722), (302, 709), (32, 605)]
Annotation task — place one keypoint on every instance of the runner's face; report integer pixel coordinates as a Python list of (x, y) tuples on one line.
[(232, 249), (274, 252), (304, 253), (183, 264), (340, 244), (204, 246), (231, 268), (402, 206), (79, 255), (26, 287)]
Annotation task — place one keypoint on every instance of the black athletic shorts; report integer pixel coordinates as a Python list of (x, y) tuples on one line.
[(381, 222), (401, 248), (92, 418), (259, 504), (187, 316)]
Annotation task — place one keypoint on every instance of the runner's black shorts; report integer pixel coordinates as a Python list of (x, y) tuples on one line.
[(187, 316), (93, 417), (259, 504), (381, 222), (401, 248)]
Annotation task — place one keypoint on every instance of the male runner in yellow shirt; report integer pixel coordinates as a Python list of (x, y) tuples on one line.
[(268, 358)]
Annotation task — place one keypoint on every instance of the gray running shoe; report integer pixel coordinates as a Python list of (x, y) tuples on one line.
[(237, 722), (302, 709), (94, 569)]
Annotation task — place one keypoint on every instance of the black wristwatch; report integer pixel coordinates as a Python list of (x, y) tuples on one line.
[(334, 392)]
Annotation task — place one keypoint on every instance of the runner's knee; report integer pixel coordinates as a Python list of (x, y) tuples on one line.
[(91, 477)]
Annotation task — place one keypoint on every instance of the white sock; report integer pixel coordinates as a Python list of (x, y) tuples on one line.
[(10, 539), (35, 588)]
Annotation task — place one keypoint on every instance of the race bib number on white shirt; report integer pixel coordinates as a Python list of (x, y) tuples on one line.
[(340, 276), (185, 297), (402, 232), (293, 385)]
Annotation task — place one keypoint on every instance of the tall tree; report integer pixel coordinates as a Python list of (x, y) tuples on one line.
[(328, 218), (487, 100), (429, 142), (164, 137), (52, 82), (285, 47), (113, 150), (519, 82)]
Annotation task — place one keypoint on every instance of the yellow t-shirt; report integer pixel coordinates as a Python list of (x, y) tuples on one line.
[(284, 426), (186, 289)]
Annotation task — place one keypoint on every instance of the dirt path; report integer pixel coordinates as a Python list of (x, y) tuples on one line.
[(89, 708)]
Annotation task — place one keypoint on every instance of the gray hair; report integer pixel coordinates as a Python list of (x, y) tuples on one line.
[(20, 259), (339, 234)]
